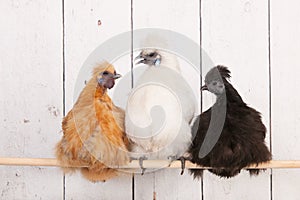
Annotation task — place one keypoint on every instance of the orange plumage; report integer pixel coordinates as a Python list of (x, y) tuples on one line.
[(94, 130)]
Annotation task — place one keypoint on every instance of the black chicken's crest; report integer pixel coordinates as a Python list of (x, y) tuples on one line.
[(218, 73)]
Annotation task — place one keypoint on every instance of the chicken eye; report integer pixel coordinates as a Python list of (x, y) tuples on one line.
[(105, 73), (151, 54)]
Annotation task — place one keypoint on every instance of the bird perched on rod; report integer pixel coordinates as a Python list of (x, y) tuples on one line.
[(159, 109), (94, 130), (230, 135)]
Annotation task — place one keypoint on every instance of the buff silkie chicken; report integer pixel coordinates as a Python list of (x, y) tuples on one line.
[(159, 110), (230, 135), (94, 130)]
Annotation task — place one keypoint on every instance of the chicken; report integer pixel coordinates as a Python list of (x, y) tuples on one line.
[(94, 130), (160, 109), (230, 135)]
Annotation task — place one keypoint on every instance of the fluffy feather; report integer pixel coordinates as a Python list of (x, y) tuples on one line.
[(242, 139), (94, 131), (163, 105)]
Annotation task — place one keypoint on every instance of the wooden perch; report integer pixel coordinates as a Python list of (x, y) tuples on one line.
[(51, 162)]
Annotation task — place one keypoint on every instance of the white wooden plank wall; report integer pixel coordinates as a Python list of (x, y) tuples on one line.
[(44, 44), (31, 96), (285, 73)]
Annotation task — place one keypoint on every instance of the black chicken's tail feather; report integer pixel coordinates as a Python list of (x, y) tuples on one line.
[(255, 172), (225, 172), (197, 173)]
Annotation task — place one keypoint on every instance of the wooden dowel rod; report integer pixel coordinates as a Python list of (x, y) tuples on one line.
[(29, 161), (52, 162)]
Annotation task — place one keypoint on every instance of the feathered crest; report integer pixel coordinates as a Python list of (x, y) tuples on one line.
[(224, 71), (103, 66), (218, 72)]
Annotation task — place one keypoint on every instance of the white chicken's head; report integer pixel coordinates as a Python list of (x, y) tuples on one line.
[(149, 57)]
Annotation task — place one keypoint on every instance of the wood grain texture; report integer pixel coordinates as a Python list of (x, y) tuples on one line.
[(79, 188), (235, 34), (31, 95), (285, 52), (181, 17), (84, 33), (239, 187)]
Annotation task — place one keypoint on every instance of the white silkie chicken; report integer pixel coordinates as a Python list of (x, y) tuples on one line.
[(160, 109)]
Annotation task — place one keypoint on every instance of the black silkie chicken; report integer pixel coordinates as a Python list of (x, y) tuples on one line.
[(230, 135)]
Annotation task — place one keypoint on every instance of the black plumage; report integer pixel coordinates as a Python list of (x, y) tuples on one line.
[(241, 141)]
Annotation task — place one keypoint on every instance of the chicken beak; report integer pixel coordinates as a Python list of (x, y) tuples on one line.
[(139, 58), (116, 76), (204, 87)]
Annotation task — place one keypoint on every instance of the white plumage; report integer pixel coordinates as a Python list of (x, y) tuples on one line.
[(160, 109)]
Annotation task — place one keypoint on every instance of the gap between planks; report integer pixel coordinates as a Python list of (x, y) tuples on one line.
[(52, 162)]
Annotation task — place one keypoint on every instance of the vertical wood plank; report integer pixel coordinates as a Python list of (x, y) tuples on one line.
[(239, 187), (285, 52), (182, 17), (31, 95), (235, 34), (87, 25)]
